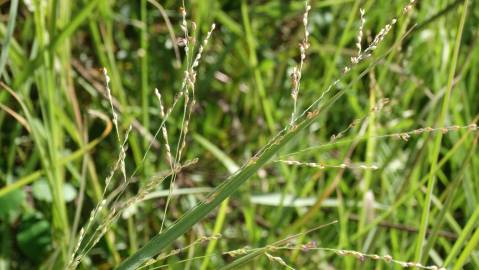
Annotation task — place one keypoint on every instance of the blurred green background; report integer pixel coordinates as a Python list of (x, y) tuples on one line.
[(56, 133)]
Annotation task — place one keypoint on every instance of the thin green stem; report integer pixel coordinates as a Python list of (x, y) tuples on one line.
[(144, 67)]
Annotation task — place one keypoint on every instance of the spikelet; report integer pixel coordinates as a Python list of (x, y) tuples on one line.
[(164, 130)]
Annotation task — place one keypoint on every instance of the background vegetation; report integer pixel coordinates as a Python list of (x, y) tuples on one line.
[(389, 167)]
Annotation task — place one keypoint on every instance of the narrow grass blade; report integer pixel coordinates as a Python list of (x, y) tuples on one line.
[(232, 183), (471, 245), (232, 168), (12, 15), (463, 237)]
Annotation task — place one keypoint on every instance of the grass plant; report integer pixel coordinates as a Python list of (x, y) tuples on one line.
[(239, 134)]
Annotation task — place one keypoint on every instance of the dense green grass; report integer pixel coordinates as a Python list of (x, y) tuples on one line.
[(384, 163)]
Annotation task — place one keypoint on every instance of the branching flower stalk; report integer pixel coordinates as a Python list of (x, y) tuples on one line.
[(304, 248), (77, 254), (87, 238), (360, 31), (310, 112), (378, 107), (188, 83), (163, 256), (290, 244), (404, 136), (264, 155), (362, 55), (297, 70), (312, 246), (115, 210), (191, 80), (247, 254)]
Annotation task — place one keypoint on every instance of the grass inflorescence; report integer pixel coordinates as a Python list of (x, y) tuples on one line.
[(228, 135)]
